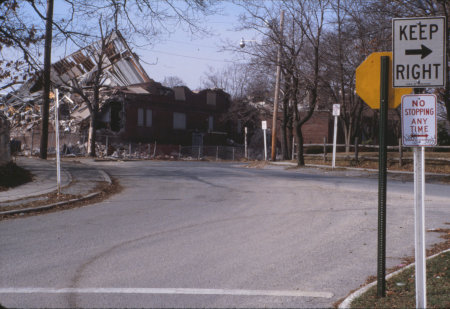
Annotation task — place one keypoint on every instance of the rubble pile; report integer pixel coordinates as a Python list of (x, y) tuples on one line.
[(22, 107)]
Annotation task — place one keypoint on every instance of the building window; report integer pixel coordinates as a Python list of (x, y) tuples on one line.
[(179, 121), (148, 118), (211, 98), (140, 120), (211, 123)]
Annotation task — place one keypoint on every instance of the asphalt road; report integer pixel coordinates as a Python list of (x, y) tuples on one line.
[(199, 234)]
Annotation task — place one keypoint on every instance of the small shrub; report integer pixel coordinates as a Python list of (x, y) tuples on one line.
[(12, 175)]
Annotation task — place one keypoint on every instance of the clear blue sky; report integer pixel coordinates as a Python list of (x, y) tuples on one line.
[(180, 54), (188, 58)]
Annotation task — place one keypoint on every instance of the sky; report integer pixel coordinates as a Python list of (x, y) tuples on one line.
[(181, 54), (189, 58)]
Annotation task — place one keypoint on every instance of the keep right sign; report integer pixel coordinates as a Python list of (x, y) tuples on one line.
[(419, 120), (419, 52)]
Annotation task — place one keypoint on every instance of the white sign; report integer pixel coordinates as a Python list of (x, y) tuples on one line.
[(418, 52), (336, 109), (264, 125), (419, 120)]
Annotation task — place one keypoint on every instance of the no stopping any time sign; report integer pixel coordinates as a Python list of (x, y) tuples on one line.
[(419, 123)]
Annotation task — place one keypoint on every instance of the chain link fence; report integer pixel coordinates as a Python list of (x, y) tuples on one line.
[(75, 144)]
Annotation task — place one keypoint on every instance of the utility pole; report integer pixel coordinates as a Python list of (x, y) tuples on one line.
[(277, 90), (46, 77)]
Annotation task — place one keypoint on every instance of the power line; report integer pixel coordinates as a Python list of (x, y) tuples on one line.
[(192, 57)]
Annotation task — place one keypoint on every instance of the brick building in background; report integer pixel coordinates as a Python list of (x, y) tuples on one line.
[(150, 112)]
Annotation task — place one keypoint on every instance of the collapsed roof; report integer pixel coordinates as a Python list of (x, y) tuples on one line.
[(120, 66)]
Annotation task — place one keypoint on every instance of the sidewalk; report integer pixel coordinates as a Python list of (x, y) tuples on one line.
[(77, 179)]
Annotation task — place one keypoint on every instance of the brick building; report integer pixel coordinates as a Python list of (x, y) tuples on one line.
[(150, 112)]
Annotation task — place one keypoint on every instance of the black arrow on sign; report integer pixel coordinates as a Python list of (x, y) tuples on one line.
[(424, 51)]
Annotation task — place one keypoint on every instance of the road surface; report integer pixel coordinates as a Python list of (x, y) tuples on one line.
[(200, 234)]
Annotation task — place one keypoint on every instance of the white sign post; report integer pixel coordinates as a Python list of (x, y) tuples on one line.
[(419, 130), (264, 127), (419, 52), (58, 160), (336, 113)]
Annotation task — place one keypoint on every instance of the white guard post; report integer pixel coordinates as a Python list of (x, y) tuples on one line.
[(336, 113), (419, 130), (264, 127), (419, 226), (58, 160)]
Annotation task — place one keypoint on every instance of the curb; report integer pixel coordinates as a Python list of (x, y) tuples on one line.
[(354, 168), (50, 206), (349, 299), (69, 181)]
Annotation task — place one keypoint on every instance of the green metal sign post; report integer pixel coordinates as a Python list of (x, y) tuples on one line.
[(382, 165)]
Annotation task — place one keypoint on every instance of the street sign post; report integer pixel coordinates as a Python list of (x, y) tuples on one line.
[(419, 131), (336, 113), (264, 128), (368, 82), (58, 159), (419, 52)]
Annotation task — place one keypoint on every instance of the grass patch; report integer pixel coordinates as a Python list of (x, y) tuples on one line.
[(400, 289), (12, 175)]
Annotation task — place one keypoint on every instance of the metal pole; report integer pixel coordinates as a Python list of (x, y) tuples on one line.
[(233, 153), (419, 226), (333, 164), (277, 90), (400, 152), (382, 156), (324, 149), (356, 149), (154, 151), (179, 152), (217, 153), (265, 146), (58, 159)]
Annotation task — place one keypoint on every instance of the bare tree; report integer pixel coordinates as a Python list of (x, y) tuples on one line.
[(172, 81), (88, 87), (309, 16), (18, 36), (233, 79), (342, 55)]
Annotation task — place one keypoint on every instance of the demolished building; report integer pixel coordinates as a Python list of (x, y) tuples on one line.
[(132, 106)]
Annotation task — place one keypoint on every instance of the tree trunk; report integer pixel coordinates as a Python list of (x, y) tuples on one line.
[(284, 130), (91, 137), (347, 136), (300, 156)]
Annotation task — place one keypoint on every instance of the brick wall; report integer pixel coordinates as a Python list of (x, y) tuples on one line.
[(317, 127), (194, 106)]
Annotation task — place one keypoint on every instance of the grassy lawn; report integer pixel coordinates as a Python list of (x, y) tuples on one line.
[(400, 289)]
